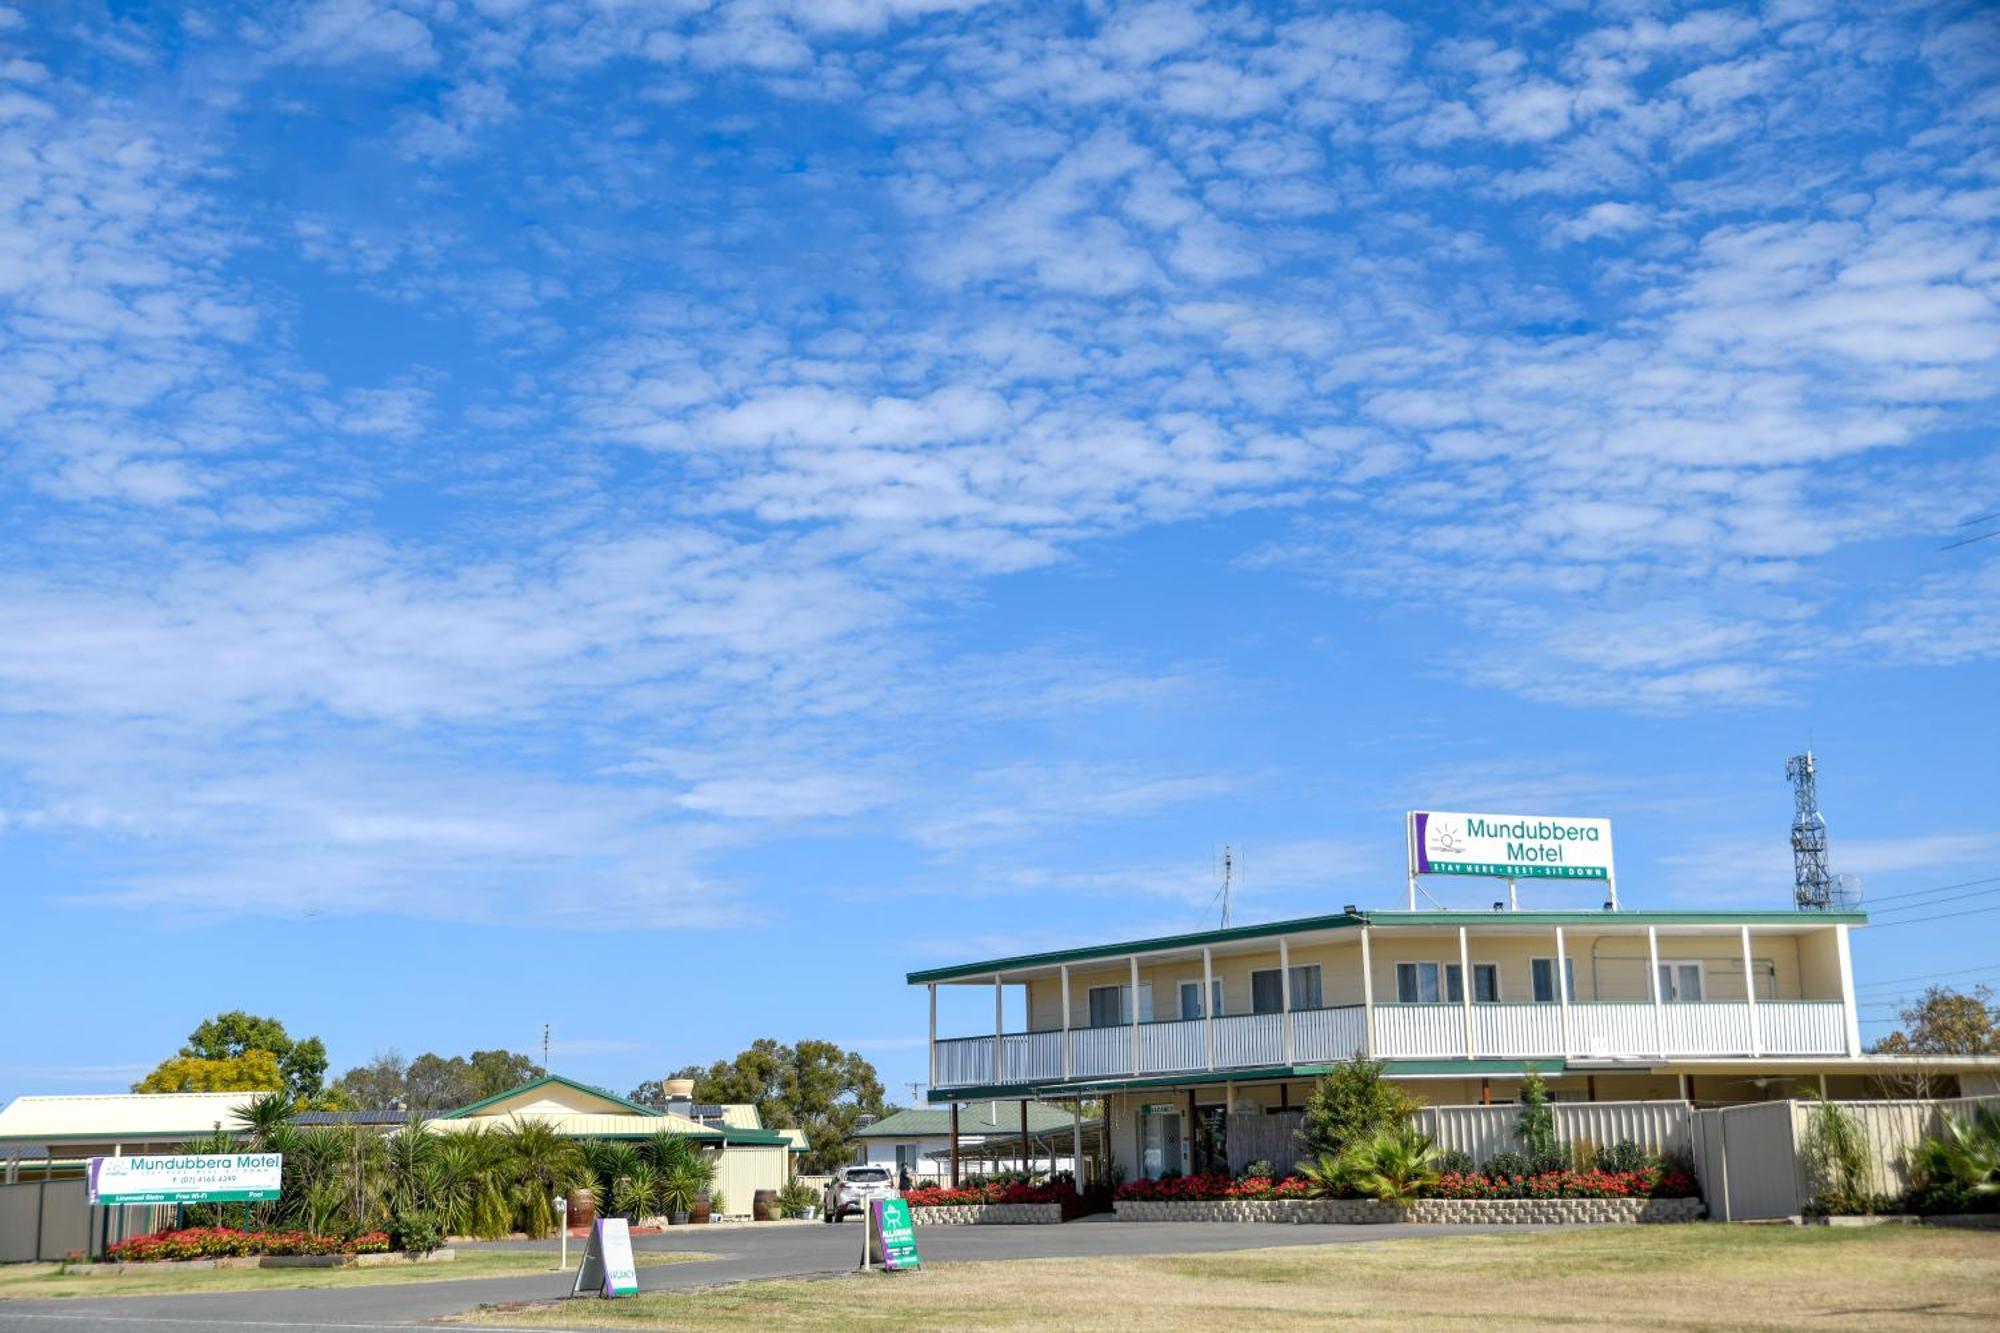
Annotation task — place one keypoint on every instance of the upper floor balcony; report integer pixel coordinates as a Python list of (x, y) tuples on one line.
[(1578, 988)]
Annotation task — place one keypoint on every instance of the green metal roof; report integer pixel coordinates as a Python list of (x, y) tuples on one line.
[(634, 1107), (1344, 921), (924, 1123)]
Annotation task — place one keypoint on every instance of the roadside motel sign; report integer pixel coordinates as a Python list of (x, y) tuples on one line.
[(186, 1178), (1509, 847), (892, 1240), (607, 1261)]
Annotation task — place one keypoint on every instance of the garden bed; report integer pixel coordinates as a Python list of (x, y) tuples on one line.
[(987, 1214), (379, 1260), (1359, 1212)]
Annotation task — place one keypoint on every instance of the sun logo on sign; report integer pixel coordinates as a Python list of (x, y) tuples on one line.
[(1444, 841)]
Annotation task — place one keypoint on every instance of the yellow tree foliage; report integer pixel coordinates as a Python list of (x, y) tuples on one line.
[(252, 1071)]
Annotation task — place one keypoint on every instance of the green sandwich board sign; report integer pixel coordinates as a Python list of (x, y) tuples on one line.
[(238, 1177), (892, 1243)]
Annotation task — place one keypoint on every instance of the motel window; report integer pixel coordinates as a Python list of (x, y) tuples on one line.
[(1544, 976), (1417, 983), (1485, 983), (1267, 994), (906, 1158), (1191, 998), (1680, 982), (1111, 1006)]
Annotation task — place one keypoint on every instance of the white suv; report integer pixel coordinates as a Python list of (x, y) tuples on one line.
[(853, 1186)]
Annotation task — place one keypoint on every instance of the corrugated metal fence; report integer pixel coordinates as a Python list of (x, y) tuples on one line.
[(46, 1220), (1481, 1131)]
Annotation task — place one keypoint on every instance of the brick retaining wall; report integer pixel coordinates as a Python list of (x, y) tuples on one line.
[(987, 1214), (1352, 1212)]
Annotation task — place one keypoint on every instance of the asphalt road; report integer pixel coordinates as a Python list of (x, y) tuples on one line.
[(742, 1254)]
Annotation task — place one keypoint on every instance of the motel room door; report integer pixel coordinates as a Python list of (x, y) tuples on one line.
[(1159, 1140)]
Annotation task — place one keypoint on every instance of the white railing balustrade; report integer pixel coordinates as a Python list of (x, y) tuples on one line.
[(1100, 1052), (1247, 1040), (1420, 1030), (1328, 1034), (1517, 1031), (1706, 1028), (1169, 1048), (1609, 1030), (1802, 1027)]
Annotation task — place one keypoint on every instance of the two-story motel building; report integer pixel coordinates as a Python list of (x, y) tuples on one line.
[(1178, 1034)]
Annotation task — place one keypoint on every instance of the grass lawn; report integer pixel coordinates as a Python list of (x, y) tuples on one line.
[(1687, 1277), (40, 1282)]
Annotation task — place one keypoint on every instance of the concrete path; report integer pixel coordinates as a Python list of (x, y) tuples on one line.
[(741, 1254)]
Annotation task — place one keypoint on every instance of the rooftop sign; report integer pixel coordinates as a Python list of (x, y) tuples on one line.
[(1449, 842)]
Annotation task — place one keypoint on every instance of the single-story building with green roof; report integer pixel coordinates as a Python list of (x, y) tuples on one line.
[(992, 1136)]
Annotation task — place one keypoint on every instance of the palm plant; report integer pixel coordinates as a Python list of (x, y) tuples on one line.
[(680, 1185), (1395, 1165), (543, 1163), (263, 1116), (607, 1162), (1963, 1162), (1328, 1174), (669, 1150)]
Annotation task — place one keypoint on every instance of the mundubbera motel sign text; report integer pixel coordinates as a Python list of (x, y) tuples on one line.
[(1448, 842)]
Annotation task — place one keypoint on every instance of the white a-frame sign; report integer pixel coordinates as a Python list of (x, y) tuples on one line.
[(607, 1266)]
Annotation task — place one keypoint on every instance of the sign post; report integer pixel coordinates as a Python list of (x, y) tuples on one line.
[(1509, 847), (891, 1236), (607, 1261), (247, 1177)]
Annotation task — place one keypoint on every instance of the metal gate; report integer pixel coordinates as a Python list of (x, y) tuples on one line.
[(1748, 1161)]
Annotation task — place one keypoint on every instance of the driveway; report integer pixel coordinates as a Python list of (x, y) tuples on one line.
[(741, 1254)]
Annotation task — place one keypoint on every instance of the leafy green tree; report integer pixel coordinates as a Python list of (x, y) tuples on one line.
[(812, 1085), (1536, 1125), (380, 1085), (219, 1055), (495, 1072), (434, 1083), (1350, 1104), (1945, 1021), (650, 1093)]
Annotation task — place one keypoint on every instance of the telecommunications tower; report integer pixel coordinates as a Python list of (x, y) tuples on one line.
[(1815, 888)]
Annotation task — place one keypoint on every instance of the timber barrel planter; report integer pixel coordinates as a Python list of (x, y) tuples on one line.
[(1362, 1212), (987, 1214)]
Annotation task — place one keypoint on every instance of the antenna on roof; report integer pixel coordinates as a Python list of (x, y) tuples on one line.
[(545, 1048), (1228, 866), (1815, 888)]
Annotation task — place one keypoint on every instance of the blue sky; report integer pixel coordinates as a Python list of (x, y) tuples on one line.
[(659, 518)]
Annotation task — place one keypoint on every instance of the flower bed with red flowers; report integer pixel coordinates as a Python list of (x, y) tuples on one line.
[(227, 1243), (1201, 1189), (943, 1196), (1650, 1182)]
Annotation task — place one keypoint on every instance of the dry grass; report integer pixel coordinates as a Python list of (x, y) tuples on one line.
[(42, 1282), (1695, 1277)]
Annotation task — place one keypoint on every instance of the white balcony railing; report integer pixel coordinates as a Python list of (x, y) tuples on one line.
[(1608, 1030)]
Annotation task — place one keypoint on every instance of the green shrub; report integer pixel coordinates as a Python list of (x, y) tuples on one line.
[(1454, 1159), (1624, 1155), (1959, 1170), (1261, 1167), (1350, 1104), (1395, 1166), (1837, 1158), (1536, 1127), (416, 1231), (793, 1199), (1507, 1164)]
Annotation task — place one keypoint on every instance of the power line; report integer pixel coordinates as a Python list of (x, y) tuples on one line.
[(1935, 888), (1951, 898), (1942, 916), (1929, 976)]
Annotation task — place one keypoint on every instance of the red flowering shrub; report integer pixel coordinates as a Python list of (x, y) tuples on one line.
[(942, 1196), (226, 1243), (1650, 1182), (1187, 1189)]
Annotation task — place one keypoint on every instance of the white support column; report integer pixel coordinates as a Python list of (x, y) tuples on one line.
[(1285, 991), (1067, 1063), (1367, 998), (1847, 991), (1562, 993), (1208, 1004), (1465, 988), (933, 989), (1653, 989), (1076, 1146), (1750, 995), (999, 1031), (1135, 1015)]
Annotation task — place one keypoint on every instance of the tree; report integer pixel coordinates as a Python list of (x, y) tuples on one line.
[(1943, 1022), (813, 1085), (379, 1085), (495, 1072), (218, 1047), (1350, 1104), (651, 1093), (433, 1083), (253, 1071)]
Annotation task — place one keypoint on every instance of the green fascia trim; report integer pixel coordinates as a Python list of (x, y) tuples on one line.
[(1551, 1066), (755, 1138), (705, 1136), (543, 1082), (1343, 921), (1338, 921)]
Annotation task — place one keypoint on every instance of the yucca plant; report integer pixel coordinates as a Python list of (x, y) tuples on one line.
[(637, 1193), (262, 1116), (1961, 1165), (668, 1150), (543, 1162), (679, 1187)]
